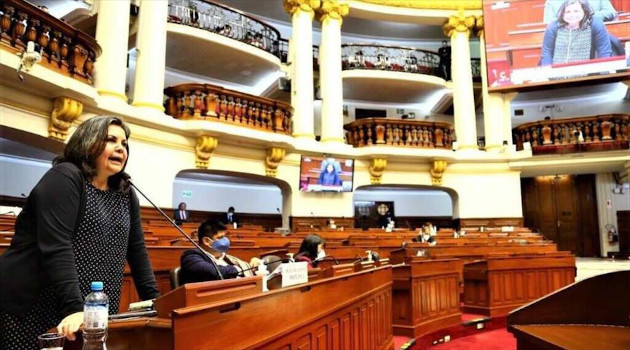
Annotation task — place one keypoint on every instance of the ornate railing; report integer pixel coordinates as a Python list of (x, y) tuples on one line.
[(596, 133), (225, 21), (63, 48), (211, 102), (396, 58), (399, 132)]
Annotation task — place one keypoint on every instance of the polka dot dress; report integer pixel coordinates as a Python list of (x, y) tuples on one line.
[(100, 248)]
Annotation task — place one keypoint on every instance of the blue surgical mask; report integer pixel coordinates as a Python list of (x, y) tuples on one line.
[(221, 245)]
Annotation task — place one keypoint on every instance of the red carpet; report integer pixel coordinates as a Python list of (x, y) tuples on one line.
[(399, 340), (499, 339)]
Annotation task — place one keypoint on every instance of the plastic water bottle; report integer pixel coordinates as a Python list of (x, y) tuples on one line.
[(262, 271), (95, 313)]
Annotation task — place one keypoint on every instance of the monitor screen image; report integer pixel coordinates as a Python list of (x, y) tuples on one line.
[(319, 174), (550, 41)]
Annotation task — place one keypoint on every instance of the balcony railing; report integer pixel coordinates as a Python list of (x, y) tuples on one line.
[(395, 58), (222, 20), (584, 134), (64, 49), (399, 132), (211, 102)]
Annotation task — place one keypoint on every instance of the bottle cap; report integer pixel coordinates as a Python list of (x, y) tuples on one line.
[(96, 286)]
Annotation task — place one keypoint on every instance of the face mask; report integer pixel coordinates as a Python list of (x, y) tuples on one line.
[(426, 237), (221, 245), (321, 254)]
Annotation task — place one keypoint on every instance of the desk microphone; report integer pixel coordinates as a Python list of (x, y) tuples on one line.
[(126, 177), (317, 222), (327, 257)]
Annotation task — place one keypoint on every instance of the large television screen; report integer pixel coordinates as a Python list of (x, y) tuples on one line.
[(550, 41), (319, 174)]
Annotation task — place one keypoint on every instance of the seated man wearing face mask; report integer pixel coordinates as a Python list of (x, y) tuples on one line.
[(197, 266)]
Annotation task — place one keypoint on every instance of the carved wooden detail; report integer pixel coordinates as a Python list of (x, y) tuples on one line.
[(65, 112)]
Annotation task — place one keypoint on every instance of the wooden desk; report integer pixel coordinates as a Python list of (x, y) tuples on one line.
[(497, 285), (425, 296), (351, 311), (590, 314), (574, 337)]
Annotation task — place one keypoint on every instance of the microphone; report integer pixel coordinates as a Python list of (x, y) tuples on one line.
[(326, 258), (278, 210), (125, 177), (408, 225), (317, 221), (267, 263)]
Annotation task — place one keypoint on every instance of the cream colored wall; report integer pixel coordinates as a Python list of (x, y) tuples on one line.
[(604, 185), (485, 194)]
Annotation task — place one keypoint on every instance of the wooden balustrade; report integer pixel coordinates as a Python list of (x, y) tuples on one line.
[(64, 49), (211, 102), (594, 133), (398, 132)]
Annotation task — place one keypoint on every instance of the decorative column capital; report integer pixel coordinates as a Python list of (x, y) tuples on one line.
[(203, 150), (274, 156), (479, 25), (459, 24), (294, 6), (377, 167), (437, 170), (332, 10), (65, 112)]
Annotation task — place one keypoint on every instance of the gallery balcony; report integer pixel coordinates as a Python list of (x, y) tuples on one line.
[(243, 50), (216, 104), (63, 48), (400, 133), (571, 135)]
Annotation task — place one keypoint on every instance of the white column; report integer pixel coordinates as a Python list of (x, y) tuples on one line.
[(302, 13), (112, 34), (330, 71), (492, 103), (507, 116), (458, 29), (150, 65)]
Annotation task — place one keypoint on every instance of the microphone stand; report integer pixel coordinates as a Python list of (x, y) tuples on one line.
[(317, 222), (212, 258)]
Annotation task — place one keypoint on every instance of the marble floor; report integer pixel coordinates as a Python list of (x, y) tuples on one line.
[(589, 267)]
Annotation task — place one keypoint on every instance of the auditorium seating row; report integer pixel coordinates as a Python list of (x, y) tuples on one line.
[(412, 291)]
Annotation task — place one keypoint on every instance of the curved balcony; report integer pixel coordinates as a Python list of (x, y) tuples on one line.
[(225, 21), (584, 134), (64, 49), (211, 102), (398, 132)]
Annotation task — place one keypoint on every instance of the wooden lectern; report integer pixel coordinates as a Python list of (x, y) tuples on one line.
[(591, 314)]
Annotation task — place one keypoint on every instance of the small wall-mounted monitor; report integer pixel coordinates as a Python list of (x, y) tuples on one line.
[(319, 174)]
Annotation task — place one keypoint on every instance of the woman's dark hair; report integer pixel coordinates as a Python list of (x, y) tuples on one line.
[(86, 145), (209, 228), (309, 246), (586, 7)]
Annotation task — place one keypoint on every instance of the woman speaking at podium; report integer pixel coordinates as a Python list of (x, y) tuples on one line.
[(79, 224)]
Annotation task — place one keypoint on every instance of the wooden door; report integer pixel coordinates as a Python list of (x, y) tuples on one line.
[(566, 213), (564, 210)]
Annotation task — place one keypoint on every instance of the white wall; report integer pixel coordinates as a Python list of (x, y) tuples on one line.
[(604, 184), (411, 202), (219, 196), (18, 176)]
